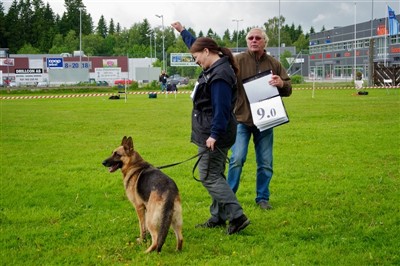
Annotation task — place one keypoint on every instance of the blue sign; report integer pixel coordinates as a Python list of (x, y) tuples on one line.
[(55, 62)]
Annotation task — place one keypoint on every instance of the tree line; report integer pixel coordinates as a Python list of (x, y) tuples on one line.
[(32, 27)]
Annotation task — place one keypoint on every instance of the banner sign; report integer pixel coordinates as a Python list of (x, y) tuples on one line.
[(6, 61), (29, 71), (110, 63), (393, 22), (182, 59), (28, 75), (107, 74)]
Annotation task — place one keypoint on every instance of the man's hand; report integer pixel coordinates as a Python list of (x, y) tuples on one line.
[(276, 81)]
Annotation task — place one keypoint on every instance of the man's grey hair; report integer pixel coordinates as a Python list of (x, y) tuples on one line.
[(263, 33)]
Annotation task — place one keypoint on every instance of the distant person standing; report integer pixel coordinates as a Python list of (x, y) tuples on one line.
[(163, 80)]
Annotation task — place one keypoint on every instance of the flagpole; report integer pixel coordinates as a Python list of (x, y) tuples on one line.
[(279, 32), (372, 16), (371, 51), (386, 34)]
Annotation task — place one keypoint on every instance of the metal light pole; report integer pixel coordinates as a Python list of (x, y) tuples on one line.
[(80, 36), (155, 46), (163, 39), (151, 52), (237, 33)]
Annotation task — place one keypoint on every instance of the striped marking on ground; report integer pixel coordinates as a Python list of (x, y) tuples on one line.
[(162, 93)]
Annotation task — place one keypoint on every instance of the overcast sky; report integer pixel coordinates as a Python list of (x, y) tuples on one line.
[(219, 15)]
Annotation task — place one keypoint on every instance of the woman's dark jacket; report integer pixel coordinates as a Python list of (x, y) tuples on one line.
[(213, 105)]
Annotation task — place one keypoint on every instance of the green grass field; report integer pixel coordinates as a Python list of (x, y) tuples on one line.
[(335, 189)]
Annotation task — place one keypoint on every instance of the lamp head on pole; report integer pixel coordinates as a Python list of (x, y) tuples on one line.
[(163, 39)]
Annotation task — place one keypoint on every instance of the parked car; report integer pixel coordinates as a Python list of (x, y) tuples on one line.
[(102, 83), (121, 82), (177, 80), (42, 84)]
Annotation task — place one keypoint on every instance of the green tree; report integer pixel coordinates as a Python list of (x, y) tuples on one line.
[(3, 39), (301, 43), (71, 41), (212, 34), (93, 44), (26, 22), (272, 29), (13, 28), (109, 43), (43, 26), (28, 49), (118, 29), (59, 45), (29, 24), (121, 44), (286, 54), (227, 36), (101, 29), (242, 38), (111, 27)]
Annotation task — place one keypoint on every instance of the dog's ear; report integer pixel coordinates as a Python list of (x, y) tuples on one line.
[(128, 146), (124, 139)]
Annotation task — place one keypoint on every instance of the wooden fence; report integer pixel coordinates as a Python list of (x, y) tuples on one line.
[(386, 76)]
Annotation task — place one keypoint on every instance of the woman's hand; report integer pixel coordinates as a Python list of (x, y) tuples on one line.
[(210, 143), (178, 26)]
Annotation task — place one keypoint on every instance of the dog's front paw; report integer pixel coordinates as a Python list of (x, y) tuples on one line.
[(140, 240)]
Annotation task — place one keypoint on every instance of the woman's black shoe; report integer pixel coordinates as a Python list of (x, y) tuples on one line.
[(238, 224), (211, 224)]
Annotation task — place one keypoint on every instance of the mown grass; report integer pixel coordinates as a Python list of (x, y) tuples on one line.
[(335, 189)]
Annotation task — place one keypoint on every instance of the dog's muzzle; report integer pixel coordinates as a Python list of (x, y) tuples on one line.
[(112, 166)]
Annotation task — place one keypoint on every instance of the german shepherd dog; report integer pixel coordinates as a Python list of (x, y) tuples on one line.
[(154, 195)]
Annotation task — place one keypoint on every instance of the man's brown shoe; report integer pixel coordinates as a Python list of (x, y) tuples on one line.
[(264, 205)]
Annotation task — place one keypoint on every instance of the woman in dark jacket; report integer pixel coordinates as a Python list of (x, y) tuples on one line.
[(214, 127)]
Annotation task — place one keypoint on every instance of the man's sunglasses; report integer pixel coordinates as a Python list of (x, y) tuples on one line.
[(254, 37)]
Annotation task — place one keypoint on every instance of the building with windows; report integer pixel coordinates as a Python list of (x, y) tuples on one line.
[(342, 51)]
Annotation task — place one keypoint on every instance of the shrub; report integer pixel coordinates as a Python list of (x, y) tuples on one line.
[(297, 79)]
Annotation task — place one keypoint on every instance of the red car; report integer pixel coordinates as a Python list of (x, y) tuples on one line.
[(121, 82)]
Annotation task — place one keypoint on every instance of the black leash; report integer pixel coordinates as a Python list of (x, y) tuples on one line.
[(173, 164), (200, 155)]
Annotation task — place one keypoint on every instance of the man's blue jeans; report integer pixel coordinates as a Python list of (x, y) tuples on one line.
[(263, 144)]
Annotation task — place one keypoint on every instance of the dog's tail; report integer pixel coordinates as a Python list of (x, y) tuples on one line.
[(166, 219)]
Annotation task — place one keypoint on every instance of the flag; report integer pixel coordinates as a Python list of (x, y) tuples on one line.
[(393, 22)]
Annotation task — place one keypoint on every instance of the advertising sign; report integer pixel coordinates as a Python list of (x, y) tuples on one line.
[(182, 59), (6, 61), (73, 64), (108, 74), (55, 63), (110, 63), (28, 75)]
